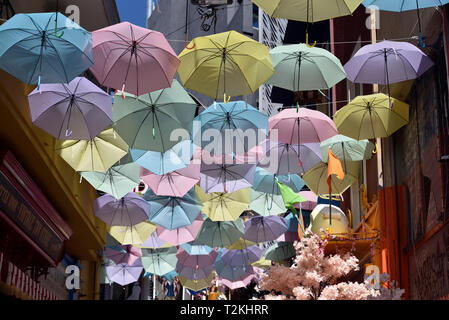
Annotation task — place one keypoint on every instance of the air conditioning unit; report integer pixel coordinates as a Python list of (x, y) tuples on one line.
[(211, 3)]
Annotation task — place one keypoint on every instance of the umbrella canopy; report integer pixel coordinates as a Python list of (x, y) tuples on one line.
[(320, 220), (159, 261), (225, 64), (127, 211), (220, 233), (280, 251), (78, 110), (133, 58), (239, 283), (263, 229), (264, 181), (262, 263), (404, 5), (240, 257), (194, 273), (370, 116), (301, 126), (133, 235), (196, 260), (147, 122), (226, 177), (197, 285), (316, 178), (173, 212), (298, 67), (311, 200), (307, 10), (117, 181), (154, 242), (267, 204), (240, 244), (98, 154), (219, 206), (226, 122), (39, 48), (226, 271), (196, 247), (347, 149), (181, 235), (123, 254), (123, 273)]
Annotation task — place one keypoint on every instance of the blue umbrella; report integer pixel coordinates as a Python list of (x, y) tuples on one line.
[(44, 48), (196, 249), (229, 272), (173, 212), (265, 181)]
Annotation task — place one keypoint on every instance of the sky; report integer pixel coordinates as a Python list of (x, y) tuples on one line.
[(134, 11)]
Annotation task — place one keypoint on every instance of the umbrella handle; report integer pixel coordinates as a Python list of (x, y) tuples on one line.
[(67, 133), (123, 91), (307, 41), (185, 43), (375, 150), (421, 41), (56, 28), (39, 84), (226, 100)]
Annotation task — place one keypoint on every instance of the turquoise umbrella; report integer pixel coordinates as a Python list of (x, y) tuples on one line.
[(264, 181), (159, 261), (220, 233), (267, 204), (280, 251)]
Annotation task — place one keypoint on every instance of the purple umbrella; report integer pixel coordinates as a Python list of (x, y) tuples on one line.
[(153, 242), (217, 177), (78, 110), (123, 273), (262, 229), (195, 273), (196, 260), (127, 211), (241, 257)]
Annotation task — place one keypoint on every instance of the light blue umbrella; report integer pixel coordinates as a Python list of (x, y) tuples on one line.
[(173, 212), (194, 248), (159, 261), (36, 49), (264, 181)]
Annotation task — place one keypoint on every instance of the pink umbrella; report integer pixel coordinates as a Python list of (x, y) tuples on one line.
[(174, 184), (196, 261), (123, 254), (310, 204), (181, 235), (302, 126), (137, 58)]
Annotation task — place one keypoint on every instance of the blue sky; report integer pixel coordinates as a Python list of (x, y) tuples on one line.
[(134, 11)]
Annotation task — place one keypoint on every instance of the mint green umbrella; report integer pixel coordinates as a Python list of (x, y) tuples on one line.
[(147, 122), (220, 233), (298, 67), (280, 251), (159, 261), (267, 204)]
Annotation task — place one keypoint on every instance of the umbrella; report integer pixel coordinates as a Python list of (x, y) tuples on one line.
[(298, 126), (197, 285), (262, 263), (134, 235), (220, 206), (291, 235), (181, 235), (194, 273), (220, 233), (370, 116), (299, 67), (98, 154), (123, 254), (280, 251), (226, 177), (196, 248), (196, 260), (33, 50), (311, 198), (320, 220), (117, 181), (123, 273), (127, 211), (240, 257), (239, 283), (78, 110), (173, 212), (154, 242), (226, 122), (347, 149), (263, 229), (170, 276), (176, 183), (226, 271), (132, 57), (225, 64), (149, 121), (159, 261), (240, 244), (264, 181), (316, 178), (267, 204)]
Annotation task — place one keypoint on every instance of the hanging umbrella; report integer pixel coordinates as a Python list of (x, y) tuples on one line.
[(228, 121), (133, 235), (170, 276), (226, 177), (220, 233), (181, 235), (123, 273), (225, 64), (291, 235), (219, 206), (127, 211), (159, 261), (173, 212), (123, 254), (176, 183), (78, 110), (154, 242), (240, 244), (311, 200), (196, 248), (35, 49), (196, 260), (298, 67), (316, 178), (369, 117), (226, 271), (347, 149), (239, 283), (263, 229), (147, 122), (98, 154), (197, 285), (194, 273), (133, 58), (240, 257), (262, 263), (280, 251), (117, 181), (264, 181), (267, 204), (302, 125)]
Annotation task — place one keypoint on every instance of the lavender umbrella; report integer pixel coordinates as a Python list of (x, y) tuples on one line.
[(224, 177), (262, 229), (241, 257), (200, 260), (153, 242), (127, 211), (195, 273), (123, 254), (123, 273), (78, 110)]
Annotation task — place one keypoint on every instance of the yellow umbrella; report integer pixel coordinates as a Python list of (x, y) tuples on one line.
[(316, 178), (98, 154), (227, 63), (197, 285), (262, 263), (370, 116), (134, 235), (240, 244), (220, 206)]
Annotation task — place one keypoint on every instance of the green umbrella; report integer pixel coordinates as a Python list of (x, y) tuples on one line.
[(347, 149), (117, 181), (220, 233), (267, 204), (290, 197), (280, 251), (147, 122), (159, 261)]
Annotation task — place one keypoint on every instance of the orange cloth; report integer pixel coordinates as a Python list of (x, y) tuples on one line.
[(212, 296), (334, 167)]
